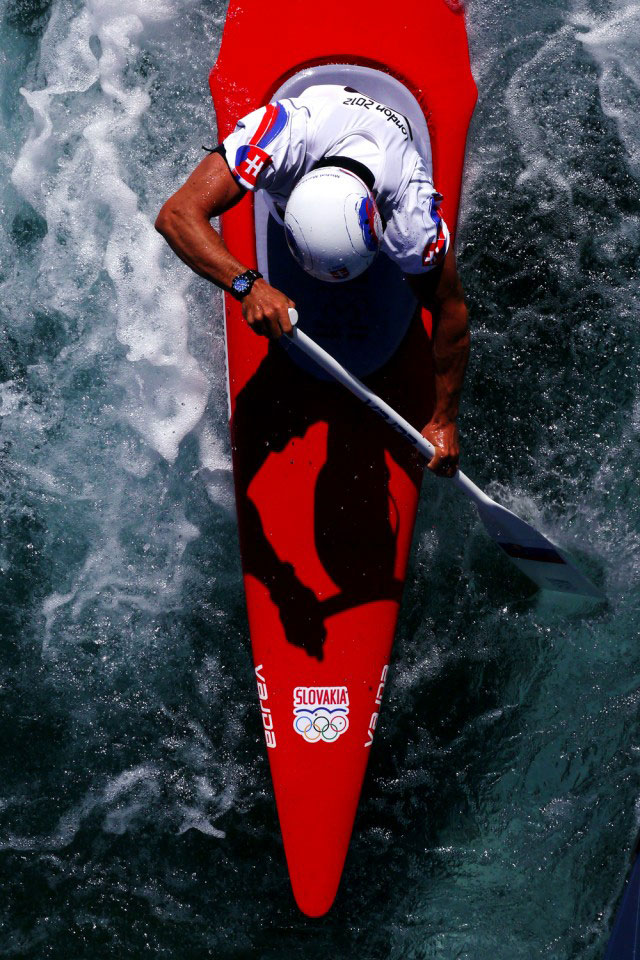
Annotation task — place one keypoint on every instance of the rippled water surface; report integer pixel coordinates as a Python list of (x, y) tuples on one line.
[(136, 814)]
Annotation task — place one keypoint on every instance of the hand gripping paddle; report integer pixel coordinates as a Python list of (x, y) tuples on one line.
[(532, 553)]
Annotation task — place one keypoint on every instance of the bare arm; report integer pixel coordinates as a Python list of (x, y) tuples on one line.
[(440, 291), (184, 222)]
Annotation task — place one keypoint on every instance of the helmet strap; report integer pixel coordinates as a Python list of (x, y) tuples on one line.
[(354, 166)]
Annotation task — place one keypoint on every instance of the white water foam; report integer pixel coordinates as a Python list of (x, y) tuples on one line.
[(146, 794), (95, 167), (520, 97), (84, 197), (613, 43)]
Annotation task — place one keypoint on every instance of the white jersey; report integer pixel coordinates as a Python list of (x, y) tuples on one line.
[(273, 147)]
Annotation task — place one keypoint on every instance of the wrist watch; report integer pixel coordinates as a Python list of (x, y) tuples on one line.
[(242, 284)]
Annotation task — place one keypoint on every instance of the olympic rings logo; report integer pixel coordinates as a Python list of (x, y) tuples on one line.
[(320, 725)]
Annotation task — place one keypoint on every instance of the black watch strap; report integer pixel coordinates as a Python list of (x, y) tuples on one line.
[(242, 284)]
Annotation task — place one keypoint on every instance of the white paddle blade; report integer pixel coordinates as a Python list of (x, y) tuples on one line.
[(533, 554)]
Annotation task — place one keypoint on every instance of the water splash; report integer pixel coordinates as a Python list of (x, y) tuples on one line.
[(72, 175)]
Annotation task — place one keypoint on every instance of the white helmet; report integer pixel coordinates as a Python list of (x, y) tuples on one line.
[(332, 224)]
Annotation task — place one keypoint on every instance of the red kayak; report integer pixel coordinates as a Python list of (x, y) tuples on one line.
[(326, 493)]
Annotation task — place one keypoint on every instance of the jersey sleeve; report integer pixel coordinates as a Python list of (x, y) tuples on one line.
[(259, 146), (416, 237)]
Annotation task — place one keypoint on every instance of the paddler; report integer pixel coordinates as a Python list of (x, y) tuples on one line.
[(335, 133)]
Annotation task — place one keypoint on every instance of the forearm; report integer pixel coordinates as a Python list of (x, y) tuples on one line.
[(193, 239), (440, 291), (451, 343)]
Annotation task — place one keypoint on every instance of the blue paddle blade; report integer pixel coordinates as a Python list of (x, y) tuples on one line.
[(625, 939)]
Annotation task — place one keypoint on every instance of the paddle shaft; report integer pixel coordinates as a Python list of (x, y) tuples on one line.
[(375, 403), (529, 550)]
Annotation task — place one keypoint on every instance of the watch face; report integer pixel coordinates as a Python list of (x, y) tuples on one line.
[(241, 284)]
